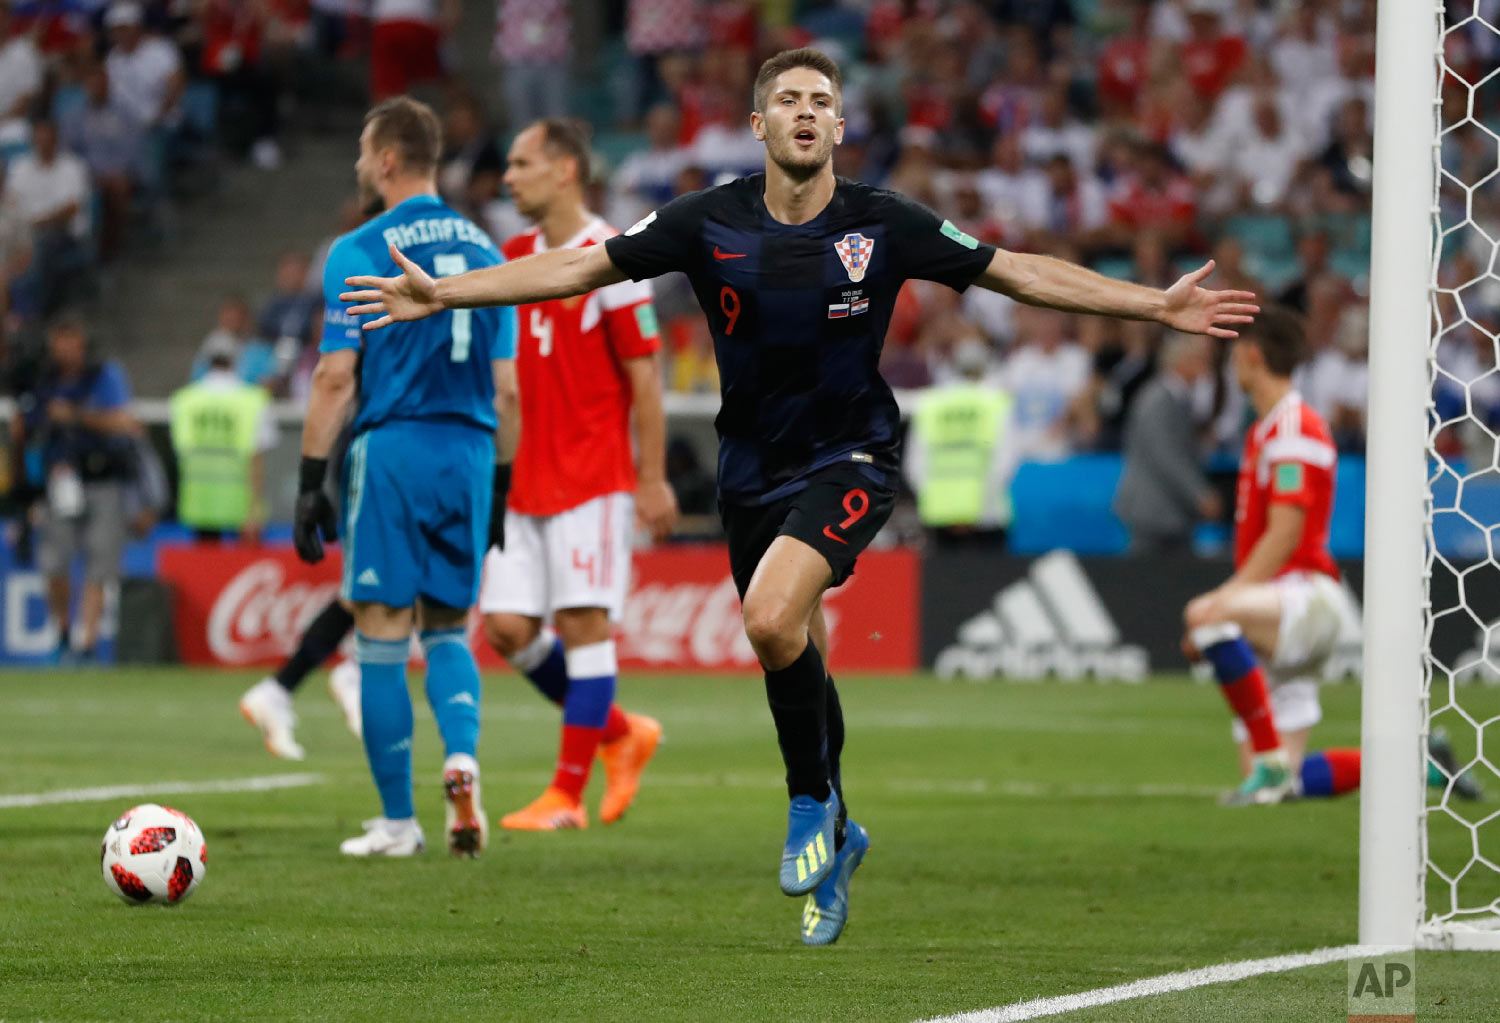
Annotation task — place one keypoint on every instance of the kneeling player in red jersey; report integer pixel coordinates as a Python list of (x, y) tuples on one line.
[(1270, 629)]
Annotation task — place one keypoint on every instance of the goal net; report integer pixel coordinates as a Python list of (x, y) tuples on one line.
[(1458, 895)]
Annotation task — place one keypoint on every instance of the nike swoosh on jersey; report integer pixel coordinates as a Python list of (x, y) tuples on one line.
[(828, 532), (727, 255)]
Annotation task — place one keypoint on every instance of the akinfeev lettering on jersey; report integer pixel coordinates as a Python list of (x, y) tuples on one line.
[(435, 230)]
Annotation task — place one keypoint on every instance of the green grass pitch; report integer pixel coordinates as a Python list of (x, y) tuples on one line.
[(1029, 840)]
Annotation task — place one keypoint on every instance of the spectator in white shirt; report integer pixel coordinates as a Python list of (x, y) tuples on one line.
[(1196, 140), (648, 177), (1045, 374), (1016, 193), (1074, 207), (1056, 132), (1337, 381), (1201, 144), (1267, 156), (1354, 79), (51, 185), (1234, 113), (51, 188), (20, 69), (145, 71), (1304, 51)]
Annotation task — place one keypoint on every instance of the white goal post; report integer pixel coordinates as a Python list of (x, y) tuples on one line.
[(1429, 866)]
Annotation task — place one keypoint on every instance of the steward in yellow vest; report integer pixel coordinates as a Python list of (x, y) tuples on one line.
[(956, 455), (221, 429)]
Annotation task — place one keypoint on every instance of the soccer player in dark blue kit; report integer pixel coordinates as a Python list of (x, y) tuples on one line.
[(434, 433), (797, 272)]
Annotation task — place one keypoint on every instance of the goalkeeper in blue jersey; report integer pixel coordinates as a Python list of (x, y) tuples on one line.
[(424, 478)]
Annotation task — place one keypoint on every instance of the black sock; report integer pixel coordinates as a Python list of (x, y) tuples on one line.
[(797, 695), (835, 716), (319, 642)]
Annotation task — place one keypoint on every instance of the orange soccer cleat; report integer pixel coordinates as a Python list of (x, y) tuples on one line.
[(552, 811), (624, 760), (468, 832)]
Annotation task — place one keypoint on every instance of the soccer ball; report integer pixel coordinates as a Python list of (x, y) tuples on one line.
[(153, 854)]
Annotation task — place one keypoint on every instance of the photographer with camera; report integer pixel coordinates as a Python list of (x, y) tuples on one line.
[(79, 439)]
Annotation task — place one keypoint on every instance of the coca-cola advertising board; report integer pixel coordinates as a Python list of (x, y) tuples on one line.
[(240, 606), (683, 612), (244, 606)]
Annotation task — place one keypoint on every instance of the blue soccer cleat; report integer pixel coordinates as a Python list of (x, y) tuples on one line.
[(827, 909), (808, 856)]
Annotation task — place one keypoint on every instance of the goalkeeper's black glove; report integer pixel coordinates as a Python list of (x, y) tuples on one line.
[(314, 521), (497, 506)]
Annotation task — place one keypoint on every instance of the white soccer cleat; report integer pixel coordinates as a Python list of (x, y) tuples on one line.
[(384, 837), (268, 706), (343, 684)]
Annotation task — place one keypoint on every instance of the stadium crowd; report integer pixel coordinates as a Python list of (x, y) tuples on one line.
[(1138, 136), (106, 111)]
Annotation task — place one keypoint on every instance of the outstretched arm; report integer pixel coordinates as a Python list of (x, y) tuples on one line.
[(560, 273), (1044, 281)]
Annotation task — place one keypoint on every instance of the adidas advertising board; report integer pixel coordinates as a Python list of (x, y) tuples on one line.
[(1058, 616)]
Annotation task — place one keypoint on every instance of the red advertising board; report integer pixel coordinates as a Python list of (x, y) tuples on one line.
[(248, 606), (683, 612), (241, 605)]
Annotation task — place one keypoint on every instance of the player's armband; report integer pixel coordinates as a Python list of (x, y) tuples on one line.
[(340, 330)]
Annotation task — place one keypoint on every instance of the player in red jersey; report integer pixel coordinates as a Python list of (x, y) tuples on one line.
[(584, 364), (1284, 605)]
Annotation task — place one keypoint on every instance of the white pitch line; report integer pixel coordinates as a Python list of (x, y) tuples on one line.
[(264, 783), (1223, 974), (956, 787), (921, 786)]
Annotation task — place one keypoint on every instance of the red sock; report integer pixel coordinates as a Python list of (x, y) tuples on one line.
[(1252, 702), (1343, 764), (617, 725), (574, 759)]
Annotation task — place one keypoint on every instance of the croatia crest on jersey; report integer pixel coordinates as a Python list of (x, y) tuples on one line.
[(854, 252)]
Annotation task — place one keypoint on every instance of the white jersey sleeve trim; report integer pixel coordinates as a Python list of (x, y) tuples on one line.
[(623, 295), (1299, 449)]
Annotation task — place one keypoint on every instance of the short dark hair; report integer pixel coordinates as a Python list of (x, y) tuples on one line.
[(68, 319), (1278, 333), (569, 137), (786, 60), (412, 127)]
